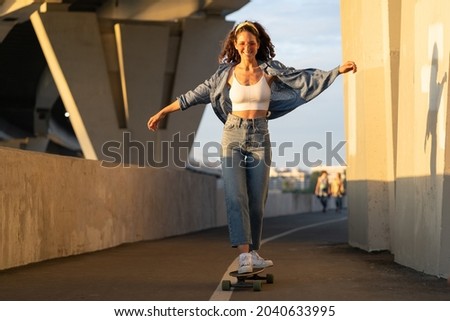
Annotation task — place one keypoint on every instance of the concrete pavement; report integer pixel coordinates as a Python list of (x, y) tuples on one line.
[(310, 252)]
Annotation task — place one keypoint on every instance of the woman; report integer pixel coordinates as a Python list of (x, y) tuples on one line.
[(248, 89)]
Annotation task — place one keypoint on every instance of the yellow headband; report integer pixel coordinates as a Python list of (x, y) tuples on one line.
[(246, 23)]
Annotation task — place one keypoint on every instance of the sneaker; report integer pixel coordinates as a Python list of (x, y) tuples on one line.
[(245, 263), (259, 262)]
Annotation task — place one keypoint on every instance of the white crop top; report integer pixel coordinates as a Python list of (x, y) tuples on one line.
[(252, 97)]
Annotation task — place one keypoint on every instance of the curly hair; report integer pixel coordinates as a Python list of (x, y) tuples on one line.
[(266, 50)]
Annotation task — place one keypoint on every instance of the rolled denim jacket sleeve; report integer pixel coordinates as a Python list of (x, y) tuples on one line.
[(312, 82), (210, 91), (199, 95), (308, 82)]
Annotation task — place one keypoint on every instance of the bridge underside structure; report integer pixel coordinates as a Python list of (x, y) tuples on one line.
[(78, 77)]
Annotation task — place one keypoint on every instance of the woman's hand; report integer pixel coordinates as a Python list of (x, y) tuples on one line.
[(347, 66), (153, 122)]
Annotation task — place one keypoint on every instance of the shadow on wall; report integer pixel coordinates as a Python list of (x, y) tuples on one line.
[(434, 102)]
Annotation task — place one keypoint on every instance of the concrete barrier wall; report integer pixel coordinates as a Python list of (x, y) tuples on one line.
[(54, 206), (294, 203)]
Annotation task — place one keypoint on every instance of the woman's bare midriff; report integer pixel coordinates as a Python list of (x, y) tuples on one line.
[(250, 114)]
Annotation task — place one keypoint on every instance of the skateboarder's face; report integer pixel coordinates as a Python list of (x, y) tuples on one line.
[(247, 44)]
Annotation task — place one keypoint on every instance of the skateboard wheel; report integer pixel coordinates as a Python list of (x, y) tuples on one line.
[(269, 278), (226, 285), (257, 285)]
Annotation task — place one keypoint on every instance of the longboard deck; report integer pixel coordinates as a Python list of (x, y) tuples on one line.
[(248, 280)]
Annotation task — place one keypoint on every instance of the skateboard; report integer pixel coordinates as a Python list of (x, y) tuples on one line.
[(247, 280)]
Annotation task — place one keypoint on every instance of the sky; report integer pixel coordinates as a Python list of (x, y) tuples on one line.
[(306, 34)]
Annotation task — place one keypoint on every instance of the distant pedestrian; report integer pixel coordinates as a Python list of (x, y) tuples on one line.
[(322, 190), (338, 191)]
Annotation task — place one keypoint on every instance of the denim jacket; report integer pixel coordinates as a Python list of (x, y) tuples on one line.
[(290, 89)]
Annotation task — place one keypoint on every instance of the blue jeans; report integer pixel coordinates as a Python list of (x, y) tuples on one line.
[(246, 158)]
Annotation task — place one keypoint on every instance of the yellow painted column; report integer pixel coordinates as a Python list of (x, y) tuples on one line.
[(422, 209), (369, 124), (396, 125)]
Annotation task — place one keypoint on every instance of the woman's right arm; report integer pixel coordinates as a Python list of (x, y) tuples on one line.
[(153, 122), (199, 95)]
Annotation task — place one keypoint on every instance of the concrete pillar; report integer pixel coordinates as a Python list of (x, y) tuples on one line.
[(143, 52), (397, 125), (422, 222), (369, 111), (72, 46)]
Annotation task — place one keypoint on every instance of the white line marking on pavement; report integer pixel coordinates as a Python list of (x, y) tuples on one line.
[(220, 295)]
